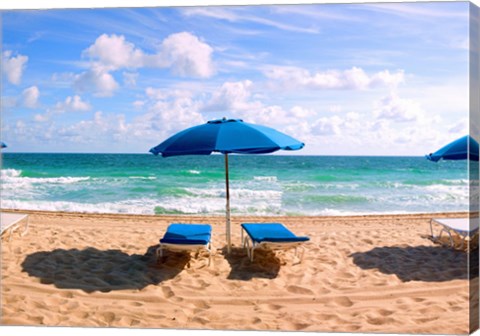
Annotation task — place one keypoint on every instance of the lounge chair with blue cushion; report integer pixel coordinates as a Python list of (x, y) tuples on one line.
[(465, 228), (9, 222), (186, 237), (274, 236)]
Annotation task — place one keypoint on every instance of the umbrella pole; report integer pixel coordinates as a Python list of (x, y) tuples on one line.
[(229, 243)]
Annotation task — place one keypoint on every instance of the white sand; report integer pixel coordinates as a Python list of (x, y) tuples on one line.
[(359, 274)]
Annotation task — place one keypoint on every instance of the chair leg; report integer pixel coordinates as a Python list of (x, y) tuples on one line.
[(159, 252), (252, 251), (452, 244), (209, 248), (25, 230)]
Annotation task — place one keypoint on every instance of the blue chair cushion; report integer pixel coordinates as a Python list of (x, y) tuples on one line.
[(271, 232), (187, 234)]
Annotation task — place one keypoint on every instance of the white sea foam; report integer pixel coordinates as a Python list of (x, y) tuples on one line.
[(142, 177), (235, 193), (194, 172), (140, 206), (6, 173), (14, 176), (194, 205), (265, 178)]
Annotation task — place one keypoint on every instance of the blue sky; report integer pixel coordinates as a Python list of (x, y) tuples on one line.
[(346, 79)]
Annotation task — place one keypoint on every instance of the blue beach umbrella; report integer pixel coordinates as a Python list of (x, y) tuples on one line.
[(226, 136), (460, 149), (3, 145)]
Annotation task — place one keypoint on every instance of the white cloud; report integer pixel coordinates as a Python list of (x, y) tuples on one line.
[(74, 103), (394, 108), (130, 78), (98, 80), (113, 52), (239, 16), (186, 55), (328, 126), (30, 97), (166, 116), (155, 94), (232, 96), (183, 53), (138, 104), (13, 66), (70, 104), (289, 77), (386, 78), (42, 117), (461, 127), (100, 127)]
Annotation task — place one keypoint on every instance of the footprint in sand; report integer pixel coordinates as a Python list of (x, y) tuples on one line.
[(167, 292), (136, 304), (201, 320), (343, 301), (80, 314), (326, 317), (108, 317), (275, 307), (426, 319), (256, 320), (299, 290), (385, 312), (201, 304), (68, 295), (379, 320)]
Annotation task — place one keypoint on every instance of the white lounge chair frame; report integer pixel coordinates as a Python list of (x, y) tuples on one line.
[(250, 245), (461, 226), (10, 222), (185, 247)]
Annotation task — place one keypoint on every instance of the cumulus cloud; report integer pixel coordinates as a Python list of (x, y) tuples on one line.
[(130, 78), (74, 103), (101, 126), (113, 52), (30, 97), (166, 114), (232, 96), (42, 117), (13, 66), (98, 80), (186, 55), (461, 127), (288, 77), (328, 126), (183, 53), (394, 108), (70, 104)]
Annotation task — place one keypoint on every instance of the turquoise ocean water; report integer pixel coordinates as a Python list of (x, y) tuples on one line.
[(260, 184)]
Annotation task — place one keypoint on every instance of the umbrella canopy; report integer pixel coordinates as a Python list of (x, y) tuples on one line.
[(460, 149), (3, 145), (226, 136)]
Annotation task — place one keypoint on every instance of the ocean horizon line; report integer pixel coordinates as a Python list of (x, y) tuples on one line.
[(239, 154)]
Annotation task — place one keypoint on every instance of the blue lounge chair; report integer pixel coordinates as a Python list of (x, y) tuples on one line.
[(9, 222), (269, 235), (463, 227), (186, 237)]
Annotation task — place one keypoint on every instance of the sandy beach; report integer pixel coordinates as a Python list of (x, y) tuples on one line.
[(358, 274)]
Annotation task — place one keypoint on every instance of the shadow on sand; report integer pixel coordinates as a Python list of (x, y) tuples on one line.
[(265, 265), (419, 263), (96, 270)]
